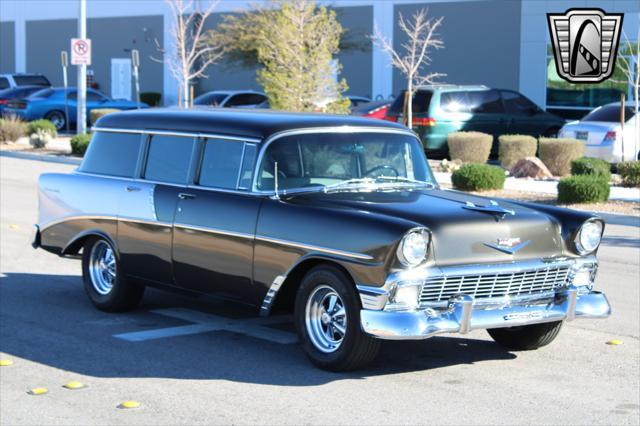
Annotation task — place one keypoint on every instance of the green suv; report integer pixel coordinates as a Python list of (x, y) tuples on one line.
[(441, 109)]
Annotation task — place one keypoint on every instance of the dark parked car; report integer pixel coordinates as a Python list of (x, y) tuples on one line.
[(50, 104), (20, 92), (232, 99), (8, 81), (441, 109), (336, 218)]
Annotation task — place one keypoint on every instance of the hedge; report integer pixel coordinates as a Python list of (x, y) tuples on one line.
[(583, 189), (469, 147), (478, 177), (513, 148), (557, 154), (43, 125), (630, 172), (80, 143), (591, 166)]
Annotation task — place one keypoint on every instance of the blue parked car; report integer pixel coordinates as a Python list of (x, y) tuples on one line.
[(49, 103)]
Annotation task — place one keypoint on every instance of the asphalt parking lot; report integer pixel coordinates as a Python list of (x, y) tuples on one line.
[(202, 361)]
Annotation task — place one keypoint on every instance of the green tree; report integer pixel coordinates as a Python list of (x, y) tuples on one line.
[(295, 42)]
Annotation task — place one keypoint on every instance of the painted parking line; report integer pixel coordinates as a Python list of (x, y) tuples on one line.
[(204, 323)]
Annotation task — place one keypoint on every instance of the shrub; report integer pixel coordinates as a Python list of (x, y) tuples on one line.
[(583, 189), (80, 143), (12, 128), (478, 177), (150, 98), (557, 154), (516, 147), (95, 114), (40, 138), (469, 147), (591, 166), (630, 172), (43, 125)]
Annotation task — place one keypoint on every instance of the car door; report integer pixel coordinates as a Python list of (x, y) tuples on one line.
[(524, 117), (145, 229), (215, 222), (487, 114)]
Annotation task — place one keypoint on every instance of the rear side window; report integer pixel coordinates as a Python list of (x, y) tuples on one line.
[(421, 102), (608, 113), (473, 101), (31, 80), (517, 104), (169, 158), (4, 83), (113, 154), (221, 163), (245, 99)]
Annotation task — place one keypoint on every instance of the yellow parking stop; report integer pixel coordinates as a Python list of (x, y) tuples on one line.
[(5, 362), (38, 391), (129, 404), (614, 342), (74, 385)]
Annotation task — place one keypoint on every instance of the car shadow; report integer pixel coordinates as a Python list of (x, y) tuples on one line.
[(47, 319)]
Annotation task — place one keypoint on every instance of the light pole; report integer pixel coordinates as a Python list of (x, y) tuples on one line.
[(81, 119)]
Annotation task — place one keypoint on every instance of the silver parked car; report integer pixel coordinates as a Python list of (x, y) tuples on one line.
[(603, 135)]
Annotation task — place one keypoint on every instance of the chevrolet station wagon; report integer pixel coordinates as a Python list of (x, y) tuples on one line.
[(337, 219)]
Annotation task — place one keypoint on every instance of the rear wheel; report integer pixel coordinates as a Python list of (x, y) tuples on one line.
[(57, 118), (527, 337), (327, 317), (106, 287)]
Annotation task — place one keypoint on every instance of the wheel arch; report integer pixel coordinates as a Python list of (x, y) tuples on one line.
[(284, 297), (74, 246)]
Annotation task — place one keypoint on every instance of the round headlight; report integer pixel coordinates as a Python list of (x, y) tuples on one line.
[(413, 247), (589, 237)]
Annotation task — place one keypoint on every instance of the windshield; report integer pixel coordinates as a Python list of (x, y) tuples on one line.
[(329, 161), (31, 80)]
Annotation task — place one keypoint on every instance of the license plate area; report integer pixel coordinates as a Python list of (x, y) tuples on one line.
[(582, 135)]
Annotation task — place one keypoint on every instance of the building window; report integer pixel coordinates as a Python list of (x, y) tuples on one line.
[(573, 101)]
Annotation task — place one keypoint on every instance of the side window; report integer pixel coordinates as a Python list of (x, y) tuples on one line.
[(4, 83), (113, 154), (245, 99), (485, 101), (169, 159), (455, 102), (421, 102), (517, 104), (221, 163), (94, 96)]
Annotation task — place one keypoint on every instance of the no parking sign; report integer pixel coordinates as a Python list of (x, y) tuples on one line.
[(80, 51)]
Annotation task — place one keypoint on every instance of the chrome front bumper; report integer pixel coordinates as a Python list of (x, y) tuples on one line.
[(462, 316)]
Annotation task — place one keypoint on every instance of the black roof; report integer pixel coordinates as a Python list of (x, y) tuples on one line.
[(258, 124)]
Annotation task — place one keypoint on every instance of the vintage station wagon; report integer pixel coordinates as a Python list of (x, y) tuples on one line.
[(338, 219)]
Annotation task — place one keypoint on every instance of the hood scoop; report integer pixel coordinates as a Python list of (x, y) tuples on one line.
[(491, 208)]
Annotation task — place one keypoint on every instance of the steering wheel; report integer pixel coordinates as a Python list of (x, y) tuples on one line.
[(382, 167)]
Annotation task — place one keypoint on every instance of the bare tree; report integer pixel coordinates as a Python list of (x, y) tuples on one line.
[(415, 55), (630, 67), (190, 55)]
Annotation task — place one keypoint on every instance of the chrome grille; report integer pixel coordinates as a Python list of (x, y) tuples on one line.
[(488, 285)]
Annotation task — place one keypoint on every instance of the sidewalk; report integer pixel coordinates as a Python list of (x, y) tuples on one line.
[(548, 187)]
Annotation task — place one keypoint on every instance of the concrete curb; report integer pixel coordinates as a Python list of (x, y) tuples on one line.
[(41, 157)]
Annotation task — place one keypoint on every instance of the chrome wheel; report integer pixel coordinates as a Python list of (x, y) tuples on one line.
[(102, 267), (58, 120), (325, 319)]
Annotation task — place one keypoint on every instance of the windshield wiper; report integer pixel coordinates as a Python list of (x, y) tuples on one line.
[(376, 183), (356, 182), (406, 180)]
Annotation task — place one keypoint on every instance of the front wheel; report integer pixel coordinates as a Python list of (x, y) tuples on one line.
[(106, 287), (327, 318), (526, 337)]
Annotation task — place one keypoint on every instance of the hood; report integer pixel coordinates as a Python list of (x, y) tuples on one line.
[(460, 234)]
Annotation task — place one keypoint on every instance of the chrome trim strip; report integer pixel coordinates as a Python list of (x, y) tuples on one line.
[(214, 231), (71, 217), (267, 302), (176, 133), (314, 248), (310, 130)]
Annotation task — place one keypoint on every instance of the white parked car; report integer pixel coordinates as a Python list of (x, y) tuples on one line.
[(603, 136)]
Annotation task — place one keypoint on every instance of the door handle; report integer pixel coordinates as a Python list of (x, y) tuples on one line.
[(185, 196), (132, 188)]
